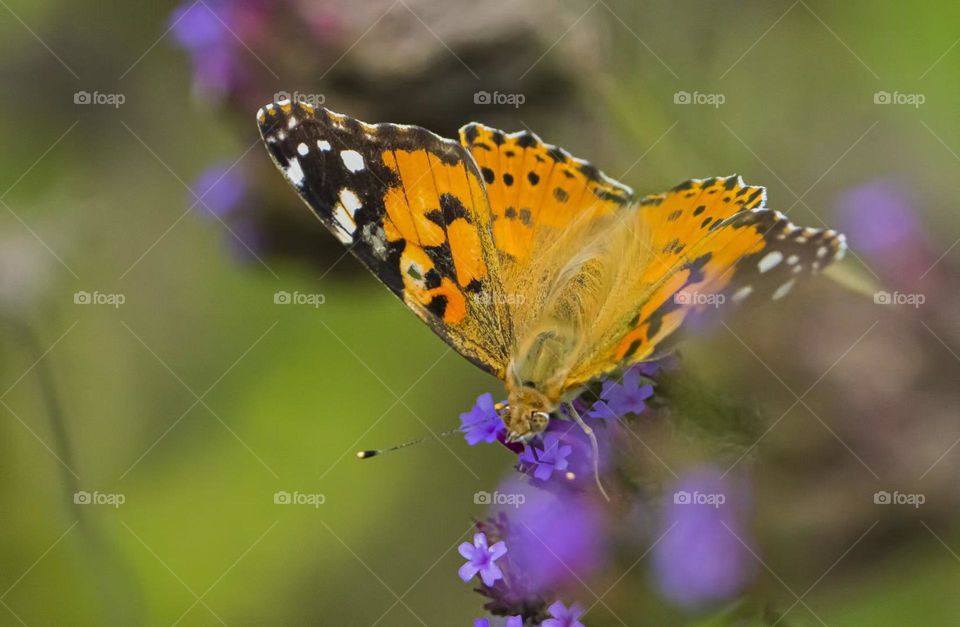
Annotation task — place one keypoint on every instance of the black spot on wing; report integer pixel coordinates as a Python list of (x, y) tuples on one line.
[(437, 305), (453, 209), (590, 171), (470, 133), (526, 140), (557, 154)]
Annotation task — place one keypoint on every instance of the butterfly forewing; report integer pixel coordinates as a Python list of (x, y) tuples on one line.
[(411, 206)]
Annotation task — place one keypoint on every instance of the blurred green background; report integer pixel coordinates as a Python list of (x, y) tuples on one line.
[(198, 398)]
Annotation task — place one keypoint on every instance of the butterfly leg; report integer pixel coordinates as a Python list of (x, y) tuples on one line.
[(593, 444)]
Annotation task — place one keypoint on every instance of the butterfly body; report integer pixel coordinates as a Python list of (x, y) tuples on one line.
[(529, 262)]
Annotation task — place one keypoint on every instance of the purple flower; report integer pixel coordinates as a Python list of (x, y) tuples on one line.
[(548, 458), (211, 33), (481, 559), (564, 616), (701, 558), (512, 621), (649, 368), (602, 411), (219, 189), (626, 397), (878, 217), (482, 423), (554, 540), (198, 26)]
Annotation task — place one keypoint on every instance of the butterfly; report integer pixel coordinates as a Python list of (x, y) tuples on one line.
[(529, 262)]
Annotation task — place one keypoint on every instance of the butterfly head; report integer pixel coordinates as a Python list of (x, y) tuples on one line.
[(527, 413)]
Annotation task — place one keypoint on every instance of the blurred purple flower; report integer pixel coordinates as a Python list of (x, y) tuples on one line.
[(482, 423), (197, 26), (700, 559), (553, 539), (626, 397), (481, 559), (601, 411), (552, 455), (512, 621), (878, 217), (212, 32), (650, 368), (219, 189), (564, 616)]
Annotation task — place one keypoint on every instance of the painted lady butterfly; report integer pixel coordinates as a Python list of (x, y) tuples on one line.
[(531, 263)]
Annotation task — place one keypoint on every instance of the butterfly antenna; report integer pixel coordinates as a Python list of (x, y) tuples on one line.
[(594, 445), (382, 451)]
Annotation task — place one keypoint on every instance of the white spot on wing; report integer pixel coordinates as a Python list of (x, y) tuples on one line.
[(294, 172), (303, 149), (770, 261), (821, 251), (349, 200), (323, 144), (346, 224), (792, 259), (742, 293), (783, 289), (352, 159)]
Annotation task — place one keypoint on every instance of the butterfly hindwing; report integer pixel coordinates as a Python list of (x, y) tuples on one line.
[(713, 243), (411, 206)]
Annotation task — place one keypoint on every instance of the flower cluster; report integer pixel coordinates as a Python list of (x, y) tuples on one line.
[(562, 454), (481, 560), (557, 537)]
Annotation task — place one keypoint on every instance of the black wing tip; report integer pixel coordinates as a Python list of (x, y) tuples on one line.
[(280, 116)]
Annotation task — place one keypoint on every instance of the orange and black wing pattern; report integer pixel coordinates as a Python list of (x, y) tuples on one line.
[(412, 207), (711, 243), (537, 191)]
